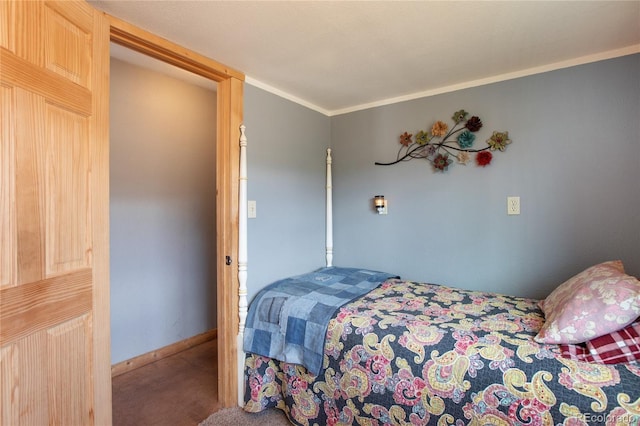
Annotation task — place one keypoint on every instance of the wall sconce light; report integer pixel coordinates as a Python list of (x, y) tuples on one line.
[(380, 204)]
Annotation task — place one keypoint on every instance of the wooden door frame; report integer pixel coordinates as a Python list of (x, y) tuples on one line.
[(229, 119)]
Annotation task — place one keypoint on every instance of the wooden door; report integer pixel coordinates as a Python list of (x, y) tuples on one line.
[(54, 273)]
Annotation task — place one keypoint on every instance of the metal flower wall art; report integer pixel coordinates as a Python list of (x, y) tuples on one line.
[(441, 145)]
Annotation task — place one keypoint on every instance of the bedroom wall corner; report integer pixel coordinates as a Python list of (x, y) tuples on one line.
[(286, 169)]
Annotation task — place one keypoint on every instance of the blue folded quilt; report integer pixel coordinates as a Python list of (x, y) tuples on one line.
[(288, 319)]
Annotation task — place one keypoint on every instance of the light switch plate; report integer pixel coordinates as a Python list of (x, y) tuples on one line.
[(251, 209)]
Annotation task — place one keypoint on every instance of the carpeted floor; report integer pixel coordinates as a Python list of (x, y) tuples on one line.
[(237, 416)]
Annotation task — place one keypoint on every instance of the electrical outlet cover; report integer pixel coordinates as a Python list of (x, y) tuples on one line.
[(513, 205)]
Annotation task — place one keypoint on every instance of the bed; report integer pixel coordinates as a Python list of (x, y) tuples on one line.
[(415, 353)]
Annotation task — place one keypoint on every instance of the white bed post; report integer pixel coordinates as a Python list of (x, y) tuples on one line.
[(329, 213), (242, 262)]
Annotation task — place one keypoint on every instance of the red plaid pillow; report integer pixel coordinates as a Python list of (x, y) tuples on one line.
[(622, 346)]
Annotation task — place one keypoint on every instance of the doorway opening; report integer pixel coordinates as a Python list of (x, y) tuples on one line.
[(162, 241), (162, 206), (228, 121)]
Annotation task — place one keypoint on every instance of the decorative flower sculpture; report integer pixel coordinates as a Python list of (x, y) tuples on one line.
[(440, 143)]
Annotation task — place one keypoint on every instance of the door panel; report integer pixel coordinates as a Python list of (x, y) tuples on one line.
[(69, 392), (68, 207), (29, 134), (24, 404), (7, 178), (54, 306), (68, 44)]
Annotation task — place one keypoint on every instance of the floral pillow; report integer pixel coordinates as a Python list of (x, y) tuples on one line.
[(563, 292), (598, 301)]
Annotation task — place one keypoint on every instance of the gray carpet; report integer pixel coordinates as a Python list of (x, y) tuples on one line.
[(237, 416)]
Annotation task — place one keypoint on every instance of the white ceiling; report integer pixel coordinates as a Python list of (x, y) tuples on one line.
[(341, 56)]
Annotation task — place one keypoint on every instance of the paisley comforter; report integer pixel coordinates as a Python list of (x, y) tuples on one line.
[(415, 354)]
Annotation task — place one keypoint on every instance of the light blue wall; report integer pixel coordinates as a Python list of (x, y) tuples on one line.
[(574, 162), (286, 149), (162, 207)]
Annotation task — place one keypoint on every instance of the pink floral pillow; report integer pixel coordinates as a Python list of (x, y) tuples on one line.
[(598, 301)]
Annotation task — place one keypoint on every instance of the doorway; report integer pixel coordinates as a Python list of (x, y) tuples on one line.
[(162, 207), (229, 119)]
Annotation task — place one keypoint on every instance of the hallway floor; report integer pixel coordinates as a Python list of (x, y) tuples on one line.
[(174, 391)]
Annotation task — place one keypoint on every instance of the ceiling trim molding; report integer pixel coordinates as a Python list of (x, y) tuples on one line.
[(610, 54), (285, 95), (630, 50)]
